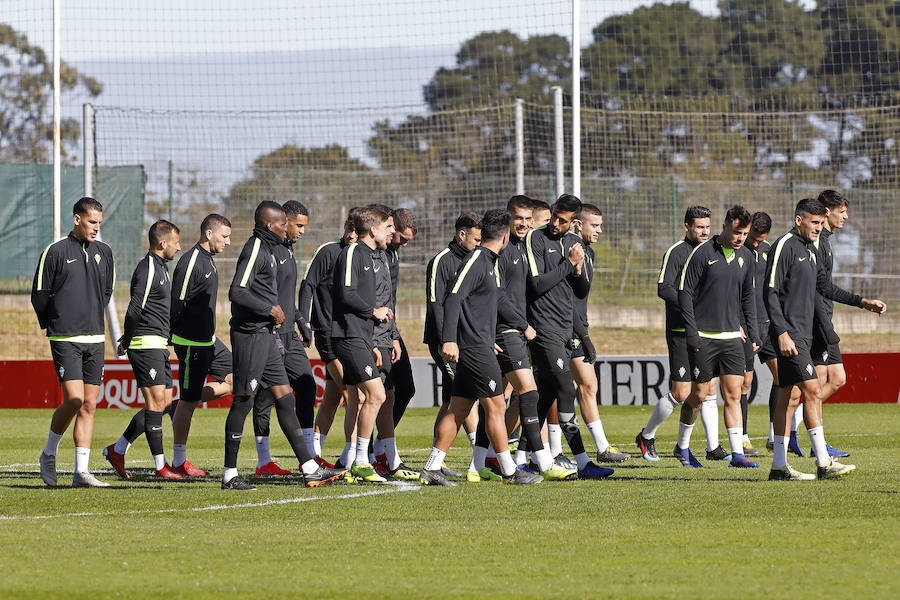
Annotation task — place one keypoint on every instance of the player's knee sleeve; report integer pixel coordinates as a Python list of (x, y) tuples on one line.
[(569, 423), (136, 426), (262, 411), (565, 392), (528, 404), (240, 408)]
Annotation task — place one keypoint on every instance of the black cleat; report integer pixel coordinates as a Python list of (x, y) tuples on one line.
[(236, 483), (717, 454), (322, 475), (435, 477), (647, 447), (523, 477)]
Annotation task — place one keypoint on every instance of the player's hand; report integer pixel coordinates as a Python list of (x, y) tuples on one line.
[(529, 333), (576, 255), (277, 314), (786, 345), (743, 334), (590, 354), (305, 332), (377, 354), (396, 352), (876, 306), (450, 352), (120, 349), (693, 342), (497, 349), (382, 314)]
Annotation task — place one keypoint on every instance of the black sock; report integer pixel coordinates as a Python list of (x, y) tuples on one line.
[(262, 413), (481, 436), (135, 427), (404, 383), (744, 408), (773, 402), (287, 419), (531, 423), (305, 394), (234, 428), (153, 431)]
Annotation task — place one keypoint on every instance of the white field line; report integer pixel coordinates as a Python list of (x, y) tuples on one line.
[(388, 489)]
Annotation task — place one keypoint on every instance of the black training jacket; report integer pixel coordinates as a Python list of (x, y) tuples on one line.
[(441, 270), (254, 289), (72, 285), (393, 261), (151, 298), (195, 286), (551, 283), (580, 325), (513, 266), (353, 293), (315, 290), (791, 280), (831, 292), (470, 309), (286, 280), (669, 278), (716, 296), (384, 333), (759, 275)]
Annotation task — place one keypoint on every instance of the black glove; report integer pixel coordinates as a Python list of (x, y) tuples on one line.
[(305, 333), (590, 354), (693, 342)]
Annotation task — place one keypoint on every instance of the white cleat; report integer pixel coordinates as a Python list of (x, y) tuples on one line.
[(87, 480), (788, 473), (48, 469)]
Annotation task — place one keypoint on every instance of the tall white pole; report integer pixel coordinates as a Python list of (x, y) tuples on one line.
[(576, 97), (520, 148), (87, 128), (57, 175), (559, 139)]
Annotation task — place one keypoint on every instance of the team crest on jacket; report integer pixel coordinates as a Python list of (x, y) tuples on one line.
[(97, 258), (492, 384), (741, 261)]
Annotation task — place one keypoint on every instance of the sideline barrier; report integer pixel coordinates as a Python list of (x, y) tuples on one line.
[(623, 381)]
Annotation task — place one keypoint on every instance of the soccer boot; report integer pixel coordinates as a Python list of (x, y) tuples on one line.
[(366, 473), (236, 483), (832, 452), (403, 473), (687, 458), (270, 468), (522, 477), (188, 470), (564, 461), (381, 470), (322, 476), (833, 470), (788, 473), (167, 473), (48, 469), (493, 464), (740, 461), (472, 476), (324, 463), (381, 459), (434, 477), (612, 455), (770, 445), (116, 460), (448, 472), (794, 445), (717, 454), (86, 480), (749, 450), (559, 473), (647, 447), (486, 474), (592, 471)]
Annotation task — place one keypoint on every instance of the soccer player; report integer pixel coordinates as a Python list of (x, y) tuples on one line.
[(555, 263), (72, 285), (715, 295), (760, 225), (696, 231), (468, 331), (588, 224), (145, 338), (540, 214), (354, 313), (258, 351)]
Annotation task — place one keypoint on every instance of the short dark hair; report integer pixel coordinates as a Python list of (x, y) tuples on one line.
[(810, 206), (738, 213), (86, 205), (696, 212), (367, 217), (467, 220), (760, 222), (519, 201), (261, 209), (539, 205), (588, 210), (292, 208), (160, 230), (384, 207), (833, 199), (567, 203), (213, 221), (405, 219), (494, 224)]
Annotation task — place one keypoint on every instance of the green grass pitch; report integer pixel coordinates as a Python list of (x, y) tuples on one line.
[(651, 531)]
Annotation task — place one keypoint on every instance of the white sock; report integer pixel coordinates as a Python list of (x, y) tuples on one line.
[(478, 456), (543, 459), (582, 460), (554, 432), (263, 457), (318, 442), (345, 455), (82, 459), (122, 445), (779, 454), (709, 415), (52, 446), (351, 454), (817, 439), (507, 466), (596, 429), (308, 434), (521, 457), (435, 460), (159, 461), (179, 454), (684, 435), (390, 451), (362, 451), (771, 432), (664, 407), (734, 438), (471, 437), (378, 447), (745, 439), (229, 474), (797, 417), (309, 467)]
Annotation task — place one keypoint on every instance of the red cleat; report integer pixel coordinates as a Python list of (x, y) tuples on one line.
[(381, 459), (167, 473), (189, 470), (116, 460), (323, 463), (271, 468), (493, 464), (381, 470)]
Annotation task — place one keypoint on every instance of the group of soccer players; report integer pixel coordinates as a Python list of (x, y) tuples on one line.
[(506, 322)]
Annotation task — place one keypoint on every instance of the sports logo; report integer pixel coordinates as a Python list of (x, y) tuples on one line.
[(559, 363), (69, 261), (515, 262), (152, 373), (825, 355), (208, 274), (809, 367), (519, 362), (97, 258), (801, 259), (369, 370), (741, 261), (237, 436), (162, 281), (62, 371), (492, 384), (696, 371), (551, 250), (366, 268), (281, 262), (253, 384), (376, 269), (712, 262), (681, 371)]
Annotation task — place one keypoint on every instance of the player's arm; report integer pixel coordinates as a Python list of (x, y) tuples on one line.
[(831, 291), (748, 302), (184, 286), (110, 282), (141, 282), (42, 284), (541, 278), (581, 283), (438, 277), (667, 285), (246, 271), (691, 274), (461, 286), (776, 271), (350, 272)]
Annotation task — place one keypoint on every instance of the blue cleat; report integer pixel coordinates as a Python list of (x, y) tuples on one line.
[(593, 471), (832, 452), (794, 445), (742, 462), (688, 459)]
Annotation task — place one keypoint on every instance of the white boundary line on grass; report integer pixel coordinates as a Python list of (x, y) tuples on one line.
[(392, 489)]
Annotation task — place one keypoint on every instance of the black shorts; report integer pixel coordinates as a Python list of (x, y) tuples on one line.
[(767, 351), (749, 355), (151, 367), (794, 369), (258, 363), (513, 351), (385, 371), (549, 353), (195, 363), (717, 357), (576, 349), (75, 361), (679, 361), (357, 358), (825, 354), (478, 374), (325, 346), (296, 362)]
